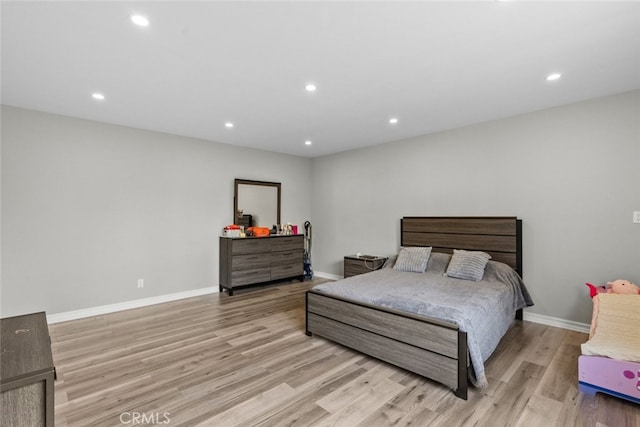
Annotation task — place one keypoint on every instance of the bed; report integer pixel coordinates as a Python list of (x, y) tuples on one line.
[(432, 340), (610, 360)]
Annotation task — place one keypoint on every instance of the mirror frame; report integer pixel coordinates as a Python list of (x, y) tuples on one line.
[(239, 181)]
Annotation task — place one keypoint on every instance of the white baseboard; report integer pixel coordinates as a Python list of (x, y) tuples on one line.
[(127, 305), (558, 323), (112, 308), (327, 275)]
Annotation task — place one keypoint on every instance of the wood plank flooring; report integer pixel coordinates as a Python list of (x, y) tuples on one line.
[(244, 360)]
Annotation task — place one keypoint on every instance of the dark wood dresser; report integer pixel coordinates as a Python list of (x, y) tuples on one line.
[(26, 371), (354, 264), (251, 260)]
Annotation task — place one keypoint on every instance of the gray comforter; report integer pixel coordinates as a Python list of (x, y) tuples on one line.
[(484, 309)]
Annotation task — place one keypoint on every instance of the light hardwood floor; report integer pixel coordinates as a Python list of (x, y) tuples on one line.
[(244, 360)]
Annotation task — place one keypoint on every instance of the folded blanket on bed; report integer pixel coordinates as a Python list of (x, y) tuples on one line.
[(484, 309), (616, 333)]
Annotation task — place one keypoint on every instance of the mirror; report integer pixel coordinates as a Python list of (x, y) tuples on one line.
[(256, 203)]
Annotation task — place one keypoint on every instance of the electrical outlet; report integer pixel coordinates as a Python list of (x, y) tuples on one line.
[(141, 283), (636, 217)]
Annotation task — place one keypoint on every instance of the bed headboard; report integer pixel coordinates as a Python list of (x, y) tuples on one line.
[(499, 236)]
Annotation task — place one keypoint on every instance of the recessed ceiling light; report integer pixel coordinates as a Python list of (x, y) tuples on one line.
[(311, 87), (307, 142), (228, 125), (393, 120), (140, 20), (553, 76), (98, 96)]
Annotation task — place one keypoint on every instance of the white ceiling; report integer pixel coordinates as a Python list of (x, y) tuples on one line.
[(433, 65)]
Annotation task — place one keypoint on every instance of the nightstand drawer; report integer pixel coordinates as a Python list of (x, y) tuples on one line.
[(354, 265)]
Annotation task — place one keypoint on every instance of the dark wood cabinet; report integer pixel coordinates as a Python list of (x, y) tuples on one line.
[(354, 264), (26, 371), (252, 260)]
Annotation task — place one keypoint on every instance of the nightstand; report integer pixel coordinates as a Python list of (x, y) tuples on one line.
[(354, 264)]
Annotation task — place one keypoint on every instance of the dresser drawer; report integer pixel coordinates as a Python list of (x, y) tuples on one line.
[(286, 270), (286, 257), (251, 261), (245, 277), (287, 243), (250, 246)]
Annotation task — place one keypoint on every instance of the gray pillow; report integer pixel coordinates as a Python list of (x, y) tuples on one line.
[(468, 265), (413, 259)]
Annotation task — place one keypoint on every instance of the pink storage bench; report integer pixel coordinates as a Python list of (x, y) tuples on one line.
[(615, 377)]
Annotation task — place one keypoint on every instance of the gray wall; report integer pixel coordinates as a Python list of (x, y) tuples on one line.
[(90, 208), (571, 173)]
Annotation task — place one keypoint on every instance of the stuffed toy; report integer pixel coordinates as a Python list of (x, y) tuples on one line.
[(616, 287)]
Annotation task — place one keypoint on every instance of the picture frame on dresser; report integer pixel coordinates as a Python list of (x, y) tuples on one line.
[(258, 201)]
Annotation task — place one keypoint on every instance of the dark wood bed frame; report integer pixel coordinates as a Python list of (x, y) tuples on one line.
[(430, 347)]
